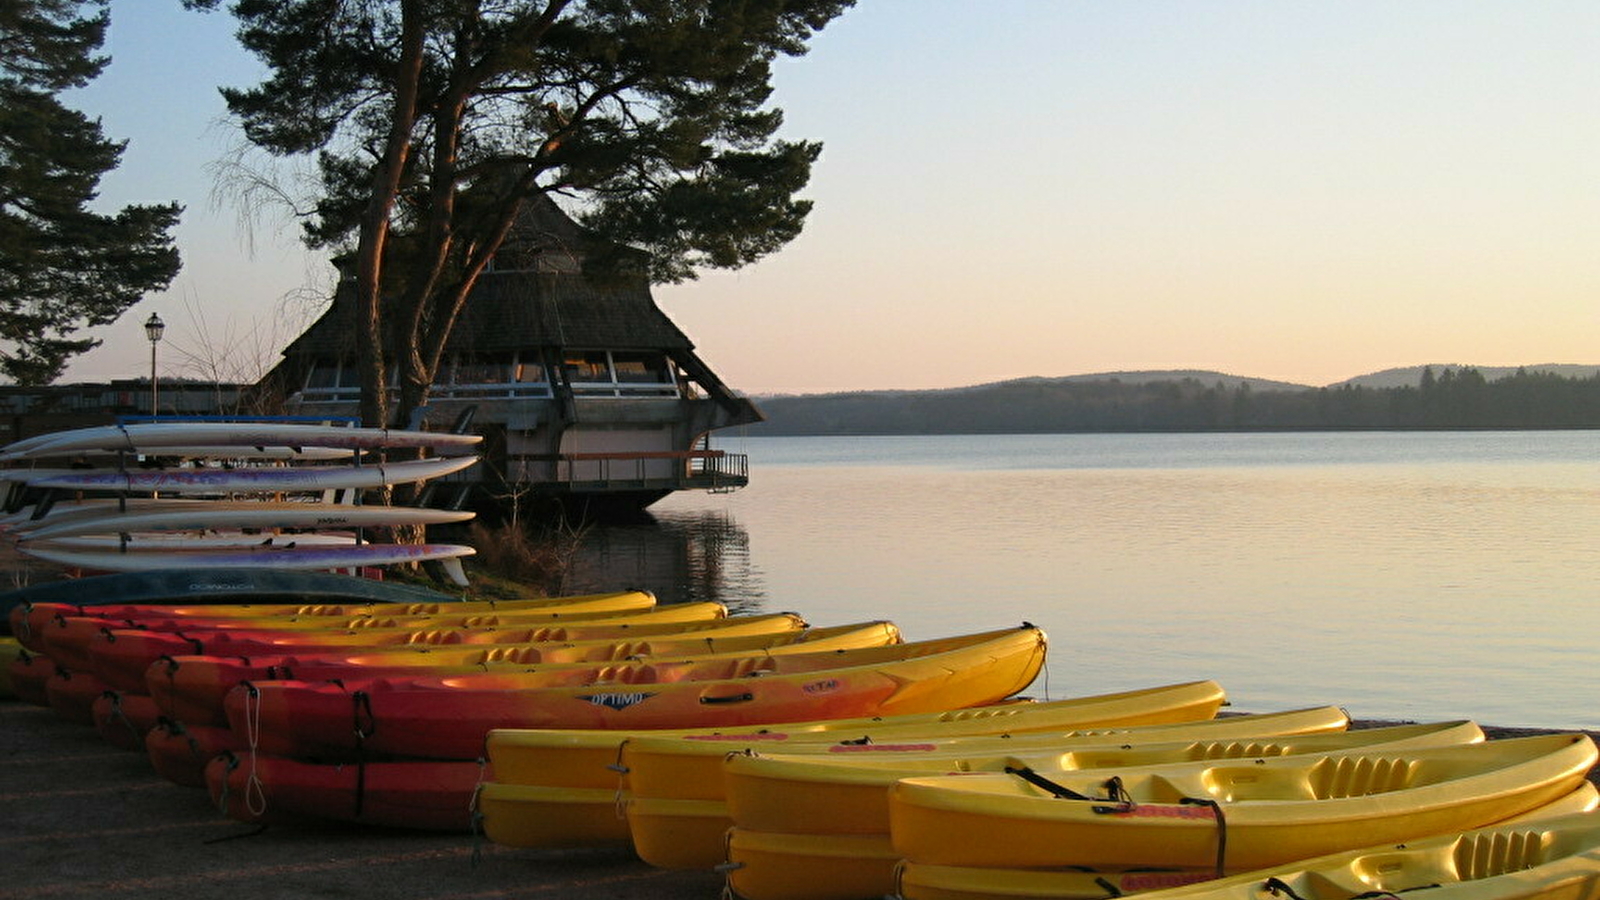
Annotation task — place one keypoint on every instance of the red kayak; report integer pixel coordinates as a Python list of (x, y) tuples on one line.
[(125, 719), (29, 672), (179, 753), (121, 656), (72, 694), (73, 641), (192, 688), (448, 718), (435, 795)]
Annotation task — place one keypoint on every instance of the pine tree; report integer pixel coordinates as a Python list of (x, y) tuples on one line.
[(63, 267), (434, 122)]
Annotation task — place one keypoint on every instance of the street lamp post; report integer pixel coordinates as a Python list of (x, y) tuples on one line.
[(153, 328)]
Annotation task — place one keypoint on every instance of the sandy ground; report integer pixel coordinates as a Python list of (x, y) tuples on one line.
[(85, 820)]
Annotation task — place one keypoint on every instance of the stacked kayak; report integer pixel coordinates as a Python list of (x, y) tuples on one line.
[(437, 726), (91, 655), (1272, 810), (236, 495), (1552, 852), (562, 787), (378, 712), (449, 718), (792, 812)]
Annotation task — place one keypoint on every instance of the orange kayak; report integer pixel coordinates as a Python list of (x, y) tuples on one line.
[(448, 718)]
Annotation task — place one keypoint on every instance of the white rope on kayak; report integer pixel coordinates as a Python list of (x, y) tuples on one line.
[(255, 794)]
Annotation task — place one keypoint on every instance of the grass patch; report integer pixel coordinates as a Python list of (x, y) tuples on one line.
[(511, 553)]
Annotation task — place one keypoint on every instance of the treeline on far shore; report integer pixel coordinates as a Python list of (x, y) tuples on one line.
[(1455, 399)]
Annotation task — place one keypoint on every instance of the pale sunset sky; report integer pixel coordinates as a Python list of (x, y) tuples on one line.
[(1302, 191)]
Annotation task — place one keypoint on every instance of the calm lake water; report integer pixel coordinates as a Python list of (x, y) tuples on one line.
[(1400, 575)]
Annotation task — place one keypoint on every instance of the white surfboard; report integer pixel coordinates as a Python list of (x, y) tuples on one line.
[(293, 478), (165, 541), (26, 518), (217, 515), (223, 451), (152, 436), (354, 556)]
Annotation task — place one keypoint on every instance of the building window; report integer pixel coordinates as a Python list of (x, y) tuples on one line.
[(591, 368), (641, 368), (619, 373)]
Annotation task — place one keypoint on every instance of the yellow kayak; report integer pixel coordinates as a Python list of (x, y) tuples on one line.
[(847, 794), (52, 628), (853, 866), (1231, 815), (820, 794), (577, 800), (588, 757), (695, 770), (120, 656), (1554, 852)]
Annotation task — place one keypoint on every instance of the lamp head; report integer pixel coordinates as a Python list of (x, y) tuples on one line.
[(154, 327)]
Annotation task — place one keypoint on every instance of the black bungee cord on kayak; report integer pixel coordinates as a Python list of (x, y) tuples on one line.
[(364, 727), (1124, 803), (1113, 785), (1222, 827), (222, 798), (118, 715), (1276, 886)]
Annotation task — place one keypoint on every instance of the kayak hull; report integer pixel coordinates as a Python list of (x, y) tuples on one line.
[(449, 718), (1274, 811), (586, 758), (193, 688)]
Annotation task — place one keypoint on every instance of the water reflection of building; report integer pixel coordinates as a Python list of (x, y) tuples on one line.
[(682, 557)]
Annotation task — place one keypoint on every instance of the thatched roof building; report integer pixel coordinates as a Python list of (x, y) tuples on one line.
[(562, 365)]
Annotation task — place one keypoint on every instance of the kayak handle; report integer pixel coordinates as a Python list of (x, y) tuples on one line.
[(731, 698)]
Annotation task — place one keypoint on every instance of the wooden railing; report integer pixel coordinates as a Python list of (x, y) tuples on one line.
[(709, 469)]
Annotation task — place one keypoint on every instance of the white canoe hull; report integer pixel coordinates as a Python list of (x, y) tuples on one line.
[(297, 478), (153, 436), (354, 556), (219, 515), (167, 542)]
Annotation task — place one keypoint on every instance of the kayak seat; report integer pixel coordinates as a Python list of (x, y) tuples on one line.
[(1237, 749), (1359, 776), (753, 666), (630, 649), (434, 636), (1499, 853), (361, 622), (524, 655), (627, 674)]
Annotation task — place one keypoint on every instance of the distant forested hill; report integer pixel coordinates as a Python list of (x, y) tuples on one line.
[(1131, 402)]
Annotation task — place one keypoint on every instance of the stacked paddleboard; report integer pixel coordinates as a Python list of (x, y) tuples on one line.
[(152, 496)]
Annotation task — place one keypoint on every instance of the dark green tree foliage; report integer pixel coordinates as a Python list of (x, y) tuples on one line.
[(1457, 399), (435, 120), (63, 267)]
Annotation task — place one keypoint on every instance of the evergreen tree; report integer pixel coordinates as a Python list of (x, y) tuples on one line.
[(63, 267), (435, 121)]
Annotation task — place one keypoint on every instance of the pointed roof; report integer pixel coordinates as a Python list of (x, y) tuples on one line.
[(536, 293)]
